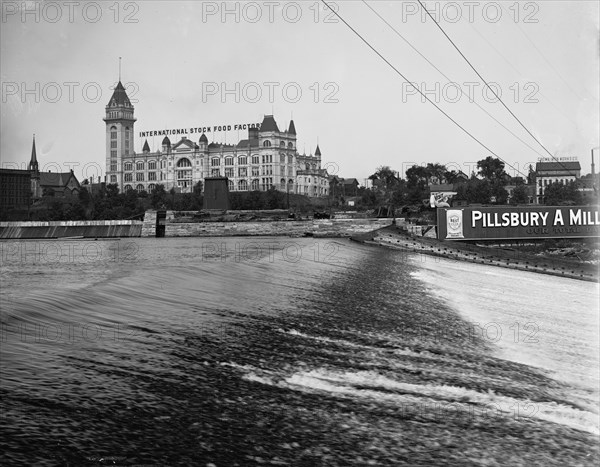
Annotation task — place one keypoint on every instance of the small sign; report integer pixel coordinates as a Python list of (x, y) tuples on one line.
[(454, 223)]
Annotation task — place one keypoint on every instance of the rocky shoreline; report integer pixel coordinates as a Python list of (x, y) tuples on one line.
[(512, 258)]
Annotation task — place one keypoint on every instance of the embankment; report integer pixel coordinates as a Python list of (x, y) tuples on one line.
[(61, 229), (512, 258)]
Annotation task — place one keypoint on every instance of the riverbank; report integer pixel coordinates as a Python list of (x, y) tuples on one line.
[(512, 258)]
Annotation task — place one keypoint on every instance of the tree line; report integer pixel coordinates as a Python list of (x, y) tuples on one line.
[(486, 186)]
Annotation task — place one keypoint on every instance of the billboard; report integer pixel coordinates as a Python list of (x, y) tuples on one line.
[(517, 222)]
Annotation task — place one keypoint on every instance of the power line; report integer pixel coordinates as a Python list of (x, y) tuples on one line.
[(418, 90), (549, 63), (515, 69), (445, 76), (489, 87)]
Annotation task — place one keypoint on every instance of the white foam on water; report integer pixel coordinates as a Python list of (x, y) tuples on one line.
[(328, 340), (543, 321), (370, 385)]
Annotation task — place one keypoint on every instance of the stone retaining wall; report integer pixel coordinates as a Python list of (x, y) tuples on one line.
[(317, 228), (492, 257)]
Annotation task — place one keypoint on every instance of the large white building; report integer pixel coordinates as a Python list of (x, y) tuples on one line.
[(562, 170), (267, 158)]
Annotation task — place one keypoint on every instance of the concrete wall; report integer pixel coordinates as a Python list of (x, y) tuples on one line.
[(58, 229), (149, 226), (319, 228)]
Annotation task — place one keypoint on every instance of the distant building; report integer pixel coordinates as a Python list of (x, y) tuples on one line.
[(21, 188), (15, 189), (59, 185), (339, 186), (267, 158), (564, 170)]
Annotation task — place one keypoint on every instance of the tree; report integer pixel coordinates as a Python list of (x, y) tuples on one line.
[(158, 197), (498, 192), (520, 195), (558, 194), (386, 175), (417, 176), (491, 168), (436, 170)]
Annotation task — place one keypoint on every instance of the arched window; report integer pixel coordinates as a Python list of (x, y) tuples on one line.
[(282, 183), (267, 143), (184, 174), (113, 132), (151, 187), (282, 158), (139, 188), (127, 187), (128, 166), (129, 177), (290, 159), (230, 185), (242, 160), (229, 160), (152, 165), (139, 165), (282, 144), (215, 162), (290, 146), (255, 185), (243, 185), (255, 159)]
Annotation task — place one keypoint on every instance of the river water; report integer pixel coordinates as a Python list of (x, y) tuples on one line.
[(277, 351)]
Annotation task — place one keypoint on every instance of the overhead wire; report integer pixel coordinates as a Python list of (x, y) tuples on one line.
[(368, 44), (490, 88), (446, 76), (549, 63), (515, 69)]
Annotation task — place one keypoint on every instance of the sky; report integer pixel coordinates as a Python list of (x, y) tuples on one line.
[(209, 64)]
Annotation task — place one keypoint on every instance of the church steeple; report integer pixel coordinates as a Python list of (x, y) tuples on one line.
[(33, 163)]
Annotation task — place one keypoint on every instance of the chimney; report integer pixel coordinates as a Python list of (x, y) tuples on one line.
[(252, 133)]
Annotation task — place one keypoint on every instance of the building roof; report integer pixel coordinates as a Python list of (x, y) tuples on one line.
[(203, 138), (317, 151), (244, 143), (292, 128), (146, 148), (56, 179), (119, 97), (441, 187), (557, 166), (219, 145), (350, 181), (166, 141), (269, 124), (184, 142)]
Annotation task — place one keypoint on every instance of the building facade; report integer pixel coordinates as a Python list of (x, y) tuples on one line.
[(267, 158), (563, 170)]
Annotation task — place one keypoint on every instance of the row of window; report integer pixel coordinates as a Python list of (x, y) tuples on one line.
[(215, 162), (267, 144), (242, 185), (549, 181), (139, 177)]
